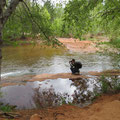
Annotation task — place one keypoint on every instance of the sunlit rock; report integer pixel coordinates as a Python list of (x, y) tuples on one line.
[(36, 117)]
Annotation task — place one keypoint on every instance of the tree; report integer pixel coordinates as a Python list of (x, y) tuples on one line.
[(89, 15), (78, 14), (49, 6), (28, 19)]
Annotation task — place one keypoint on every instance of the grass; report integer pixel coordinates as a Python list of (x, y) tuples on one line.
[(5, 108), (115, 43), (16, 43), (110, 84), (92, 39)]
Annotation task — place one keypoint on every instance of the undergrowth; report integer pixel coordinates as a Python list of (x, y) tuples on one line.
[(110, 84)]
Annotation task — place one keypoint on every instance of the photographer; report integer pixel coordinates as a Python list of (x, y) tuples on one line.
[(75, 66)]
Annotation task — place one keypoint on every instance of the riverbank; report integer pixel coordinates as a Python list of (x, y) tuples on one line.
[(88, 44), (76, 45), (22, 80), (106, 107)]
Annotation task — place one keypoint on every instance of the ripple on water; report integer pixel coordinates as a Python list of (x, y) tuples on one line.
[(29, 60)]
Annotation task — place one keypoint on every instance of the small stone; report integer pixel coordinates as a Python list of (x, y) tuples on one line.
[(36, 117)]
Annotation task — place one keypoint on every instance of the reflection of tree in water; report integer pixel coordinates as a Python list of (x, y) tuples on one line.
[(81, 94), (48, 97)]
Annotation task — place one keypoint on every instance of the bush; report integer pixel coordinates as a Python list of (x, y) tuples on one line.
[(110, 84)]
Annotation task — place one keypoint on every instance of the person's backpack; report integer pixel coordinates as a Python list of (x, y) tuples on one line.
[(78, 64)]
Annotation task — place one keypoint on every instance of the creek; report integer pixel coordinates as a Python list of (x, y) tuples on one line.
[(30, 60)]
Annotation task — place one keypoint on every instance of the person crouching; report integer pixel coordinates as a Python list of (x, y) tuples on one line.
[(75, 66)]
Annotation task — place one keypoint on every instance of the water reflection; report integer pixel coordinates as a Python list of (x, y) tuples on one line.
[(48, 93), (22, 95)]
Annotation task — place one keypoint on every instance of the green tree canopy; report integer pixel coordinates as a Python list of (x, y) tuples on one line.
[(88, 15)]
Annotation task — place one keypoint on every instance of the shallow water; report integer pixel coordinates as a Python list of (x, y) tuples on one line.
[(29, 59), (33, 60), (37, 94)]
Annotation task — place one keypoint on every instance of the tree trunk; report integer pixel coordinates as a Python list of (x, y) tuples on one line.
[(0, 50), (2, 5), (0, 47)]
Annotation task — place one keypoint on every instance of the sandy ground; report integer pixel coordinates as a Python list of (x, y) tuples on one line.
[(20, 80), (91, 44), (43, 77), (79, 46)]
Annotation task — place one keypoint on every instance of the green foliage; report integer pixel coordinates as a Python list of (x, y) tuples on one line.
[(116, 42), (104, 85), (96, 95), (94, 16), (47, 21), (49, 6), (57, 26), (110, 84), (6, 108), (77, 18), (113, 42), (78, 15), (28, 22)]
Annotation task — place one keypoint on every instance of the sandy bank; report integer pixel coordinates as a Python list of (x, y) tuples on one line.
[(79, 46), (107, 107), (45, 76)]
